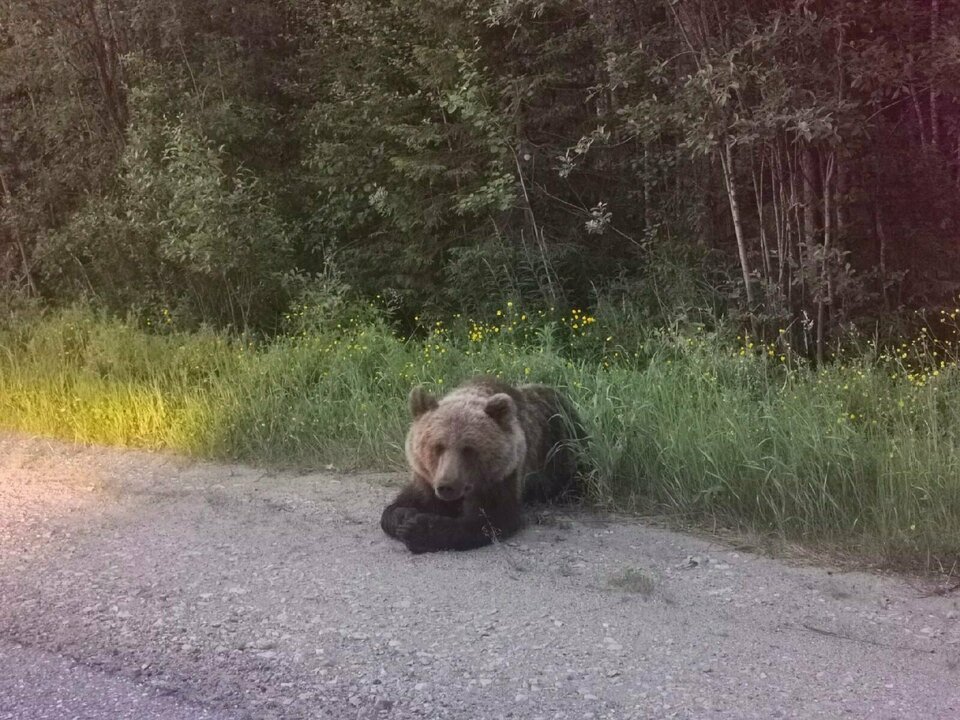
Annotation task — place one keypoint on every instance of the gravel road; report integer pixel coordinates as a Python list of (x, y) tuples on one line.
[(137, 585)]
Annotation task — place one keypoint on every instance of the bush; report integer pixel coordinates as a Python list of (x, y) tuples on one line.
[(184, 234)]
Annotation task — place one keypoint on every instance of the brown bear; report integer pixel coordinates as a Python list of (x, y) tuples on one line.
[(477, 455)]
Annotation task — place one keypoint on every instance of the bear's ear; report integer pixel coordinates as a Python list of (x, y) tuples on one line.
[(421, 401), (501, 408)]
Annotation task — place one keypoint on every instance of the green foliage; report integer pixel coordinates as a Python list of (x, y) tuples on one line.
[(185, 231), (221, 155), (682, 423), (406, 150), (60, 135)]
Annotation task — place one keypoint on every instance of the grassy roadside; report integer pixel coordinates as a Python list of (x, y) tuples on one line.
[(864, 454)]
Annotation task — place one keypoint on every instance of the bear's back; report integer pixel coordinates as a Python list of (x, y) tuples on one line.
[(554, 434)]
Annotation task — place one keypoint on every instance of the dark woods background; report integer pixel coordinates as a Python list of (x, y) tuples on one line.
[(797, 163)]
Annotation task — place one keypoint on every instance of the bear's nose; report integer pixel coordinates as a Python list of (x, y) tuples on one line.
[(447, 492)]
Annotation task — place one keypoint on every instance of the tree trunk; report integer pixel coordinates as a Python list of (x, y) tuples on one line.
[(729, 178), (647, 215), (934, 114), (825, 292), (781, 212), (550, 292), (958, 160), (882, 251), (107, 64), (798, 284), (807, 165), (15, 236), (757, 178), (841, 199), (916, 109)]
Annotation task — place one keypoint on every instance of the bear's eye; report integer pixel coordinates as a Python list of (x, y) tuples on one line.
[(439, 448), (468, 451)]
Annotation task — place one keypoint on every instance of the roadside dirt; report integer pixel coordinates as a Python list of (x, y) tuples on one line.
[(137, 585)]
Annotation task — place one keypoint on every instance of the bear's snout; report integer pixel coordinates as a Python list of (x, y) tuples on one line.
[(451, 480), (449, 491)]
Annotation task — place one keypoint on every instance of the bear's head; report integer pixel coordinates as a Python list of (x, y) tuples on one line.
[(467, 440)]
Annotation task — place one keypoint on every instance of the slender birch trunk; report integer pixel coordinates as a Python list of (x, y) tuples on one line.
[(825, 294), (729, 178)]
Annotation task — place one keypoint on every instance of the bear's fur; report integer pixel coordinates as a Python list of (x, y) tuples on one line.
[(477, 455)]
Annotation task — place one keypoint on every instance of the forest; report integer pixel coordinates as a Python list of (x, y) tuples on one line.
[(801, 160), (732, 229)]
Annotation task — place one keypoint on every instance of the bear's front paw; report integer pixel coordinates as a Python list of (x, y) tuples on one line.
[(395, 516), (417, 533)]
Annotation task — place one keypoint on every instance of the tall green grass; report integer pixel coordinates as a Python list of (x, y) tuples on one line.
[(863, 454)]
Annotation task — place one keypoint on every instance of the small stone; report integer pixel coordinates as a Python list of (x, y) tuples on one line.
[(611, 644)]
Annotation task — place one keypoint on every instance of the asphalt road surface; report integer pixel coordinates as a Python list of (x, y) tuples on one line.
[(141, 586)]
